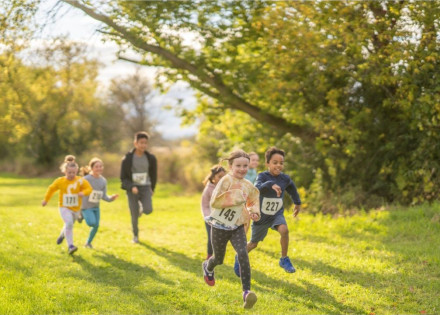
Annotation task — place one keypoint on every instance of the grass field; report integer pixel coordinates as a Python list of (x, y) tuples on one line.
[(382, 262)]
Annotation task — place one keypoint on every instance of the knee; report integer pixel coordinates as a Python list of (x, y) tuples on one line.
[(69, 225), (283, 230)]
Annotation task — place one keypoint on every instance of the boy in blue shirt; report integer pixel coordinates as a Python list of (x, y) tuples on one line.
[(272, 184)]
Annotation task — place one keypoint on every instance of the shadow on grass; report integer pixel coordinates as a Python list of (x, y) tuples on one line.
[(323, 302)]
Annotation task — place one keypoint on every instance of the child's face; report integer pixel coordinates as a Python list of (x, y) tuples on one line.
[(71, 172), (254, 161), (97, 168), (141, 144), (276, 164), (217, 177), (239, 167)]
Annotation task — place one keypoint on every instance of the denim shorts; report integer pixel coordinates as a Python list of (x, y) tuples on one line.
[(259, 232)]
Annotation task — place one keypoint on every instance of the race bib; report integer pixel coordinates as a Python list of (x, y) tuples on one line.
[(140, 178), (95, 196), (271, 206), (227, 216), (70, 200)]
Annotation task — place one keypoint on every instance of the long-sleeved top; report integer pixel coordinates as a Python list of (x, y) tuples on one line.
[(127, 181), (232, 201), (99, 185), (251, 175), (68, 191), (206, 199), (271, 205)]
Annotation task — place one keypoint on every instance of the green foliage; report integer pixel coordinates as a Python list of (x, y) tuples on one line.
[(382, 262)]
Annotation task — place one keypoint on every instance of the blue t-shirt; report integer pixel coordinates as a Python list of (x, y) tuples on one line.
[(271, 205), (251, 175)]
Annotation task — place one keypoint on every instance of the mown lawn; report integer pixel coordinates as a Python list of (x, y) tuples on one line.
[(382, 262)]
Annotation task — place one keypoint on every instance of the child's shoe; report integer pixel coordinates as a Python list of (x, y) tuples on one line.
[(287, 265), (60, 239), (80, 217), (72, 249), (249, 299), (88, 245), (208, 275), (237, 266), (135, 240)]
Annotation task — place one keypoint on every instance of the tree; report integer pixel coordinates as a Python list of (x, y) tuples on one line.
[(355, 82), (134, 94)]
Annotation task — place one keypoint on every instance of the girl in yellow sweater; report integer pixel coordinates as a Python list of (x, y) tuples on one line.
[(71, 189)]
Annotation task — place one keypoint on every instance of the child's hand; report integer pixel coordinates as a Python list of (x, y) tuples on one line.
[(81, 194), (135, 190), (254, 217), (43, 203), (296, 210), (113, 197), (277, 189)]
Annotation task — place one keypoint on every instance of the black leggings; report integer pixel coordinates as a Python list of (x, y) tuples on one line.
[(237, 237)]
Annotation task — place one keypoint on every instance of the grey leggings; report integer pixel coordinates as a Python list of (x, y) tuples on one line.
[(219, 239), (144, 198)]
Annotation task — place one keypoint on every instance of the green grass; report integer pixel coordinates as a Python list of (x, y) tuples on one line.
[(382, 262)]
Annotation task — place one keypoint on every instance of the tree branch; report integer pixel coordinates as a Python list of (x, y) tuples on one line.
[(228, 97)]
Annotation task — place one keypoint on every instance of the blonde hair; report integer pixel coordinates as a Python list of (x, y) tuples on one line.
[(235, 155), (88, 168), (252, 153), (69, 161)]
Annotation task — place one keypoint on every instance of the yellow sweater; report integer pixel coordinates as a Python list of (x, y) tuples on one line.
[(69, 188)]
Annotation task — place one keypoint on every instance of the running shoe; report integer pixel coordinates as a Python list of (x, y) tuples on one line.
[(72, 249), (287, 265), (208, 275), (249, 299), (60, 239)]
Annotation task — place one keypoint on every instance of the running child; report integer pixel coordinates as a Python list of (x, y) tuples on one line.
[(71, 187), (251, 174), (138, 178), (272, 184), (211, 180), (90, 203), (231, 199)]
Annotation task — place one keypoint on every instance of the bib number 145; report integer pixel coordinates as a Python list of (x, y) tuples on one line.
[(227, 216)]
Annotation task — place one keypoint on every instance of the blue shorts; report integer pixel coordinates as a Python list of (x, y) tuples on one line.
[(259, 232)]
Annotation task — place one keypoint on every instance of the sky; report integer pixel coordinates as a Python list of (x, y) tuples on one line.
[(79, 27)]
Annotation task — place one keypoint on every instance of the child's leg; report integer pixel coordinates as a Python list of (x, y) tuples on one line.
[(69, 218), (92, 219), (284, 241), (133, 204), (238, 241), (209, 245), (219, 240), (145, 195)]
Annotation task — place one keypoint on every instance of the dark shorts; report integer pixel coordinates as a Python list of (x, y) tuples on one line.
[(259, 232)]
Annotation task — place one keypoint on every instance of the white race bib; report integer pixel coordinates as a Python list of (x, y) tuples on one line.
[(70, 200), (227, 216), (271, 206), (140, 178), (95, 196)]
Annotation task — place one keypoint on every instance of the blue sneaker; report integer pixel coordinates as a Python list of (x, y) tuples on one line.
[(237, 266), (287, 265)]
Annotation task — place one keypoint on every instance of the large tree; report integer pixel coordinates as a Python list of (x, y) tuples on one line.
[(355, 83)]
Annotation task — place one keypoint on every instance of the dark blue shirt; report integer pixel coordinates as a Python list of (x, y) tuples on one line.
[(268, 196)]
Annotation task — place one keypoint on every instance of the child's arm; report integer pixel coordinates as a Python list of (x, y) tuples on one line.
[(50, 191), (293, 192), (263, 183), (85, 187), (104, 193), (206, 198), (253, 204)]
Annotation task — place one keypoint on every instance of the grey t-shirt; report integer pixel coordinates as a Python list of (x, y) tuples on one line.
[(99, 192), (140, 170)]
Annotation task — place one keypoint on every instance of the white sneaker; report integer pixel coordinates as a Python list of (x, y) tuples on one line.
[(135, 240)]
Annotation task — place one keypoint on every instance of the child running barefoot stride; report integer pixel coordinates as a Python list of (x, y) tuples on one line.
[(232, 196), (90, 204), (71, 188), (216, 173), (272, 184)]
